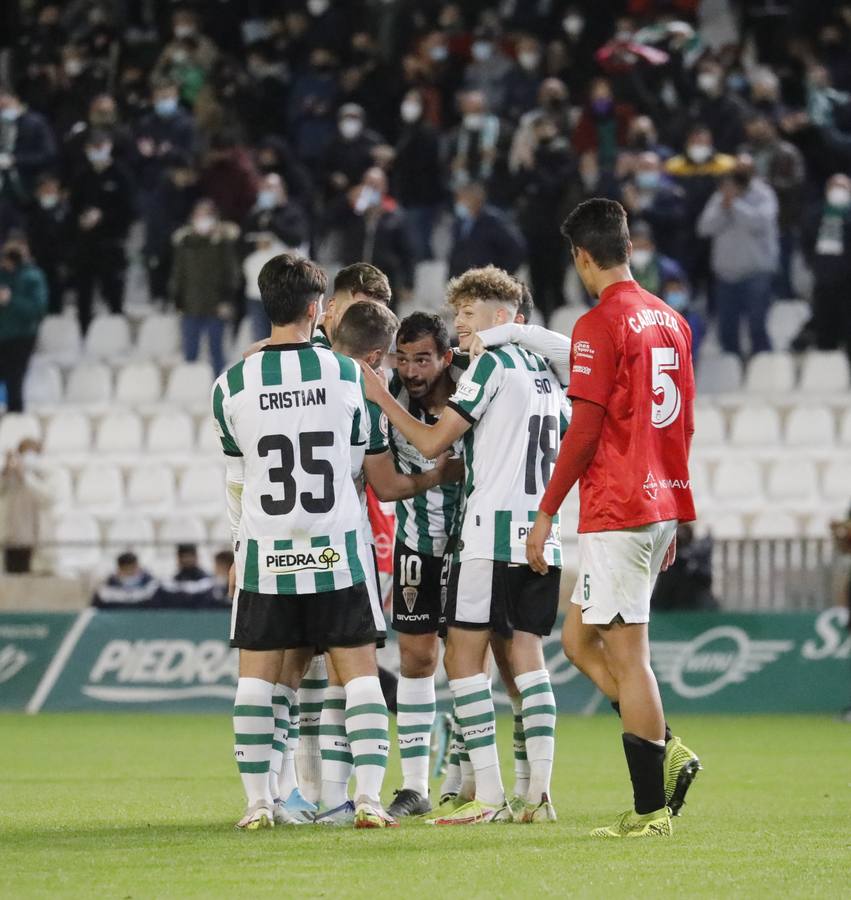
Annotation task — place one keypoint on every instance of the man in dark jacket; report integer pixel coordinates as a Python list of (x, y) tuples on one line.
[(49, 230), (129, 586), (275, 213), (350, 153), (482, 235), (23, 303), (27, 144), (102, 211)]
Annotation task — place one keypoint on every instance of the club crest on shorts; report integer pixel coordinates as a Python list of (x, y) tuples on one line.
[(409, 595)]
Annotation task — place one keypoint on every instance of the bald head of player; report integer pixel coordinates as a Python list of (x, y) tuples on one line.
[(291, 288), (365, 332), (353, 284), (599, 240), (482, 298)]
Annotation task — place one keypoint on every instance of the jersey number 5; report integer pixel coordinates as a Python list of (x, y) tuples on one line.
[(667, 400), (308, 441)]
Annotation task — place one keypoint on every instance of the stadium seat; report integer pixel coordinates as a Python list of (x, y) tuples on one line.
[(825, 372), (159, 337), (119, 432), (138, 383), (14, 427), (709, 427), (68, 431), (108, 337), (818, 526), (737, 482), (208, 441), (845, 428), (61, 486), (189, 385), (76, 538), (836, 483), (59, 339), (218, 532), (564, 318), (700, 482), (755, 426), (720, 374), (201, 488), (430, 284), (171, 432), (784, 321), (243, 339), (770, 373), (89, 384), (180, 529), (792, 481), (775, 524), (151, 487), (42, 384), (130, 532), (100, 488), (810, 426), (724, 526)]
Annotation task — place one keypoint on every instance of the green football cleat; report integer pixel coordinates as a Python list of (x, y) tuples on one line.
[(258, 817), (631, 825), (681, 768), (474, 813), (527, 813), (448, 803), (371, 814)]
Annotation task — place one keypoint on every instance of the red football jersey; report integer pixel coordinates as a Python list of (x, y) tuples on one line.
[(631, 354)]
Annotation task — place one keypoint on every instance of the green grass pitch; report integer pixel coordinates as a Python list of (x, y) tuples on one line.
[(133, 806)]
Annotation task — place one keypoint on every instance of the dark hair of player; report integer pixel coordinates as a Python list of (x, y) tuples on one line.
[(599, 227), (363, 278), (365, 326), (527, 304), (419, 325), (288, 285)]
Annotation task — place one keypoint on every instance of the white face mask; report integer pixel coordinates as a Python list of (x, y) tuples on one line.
[(474, 121), (203, 224), (839, 196), (73, 67), (411, 110), (529, 60), (317, 7), (184, 31), (699, 153), (640, 258), (708, 82), (573, 25), (482, 50), (351, 128)]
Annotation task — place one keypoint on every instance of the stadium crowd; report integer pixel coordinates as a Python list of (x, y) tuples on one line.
[(359, 126)]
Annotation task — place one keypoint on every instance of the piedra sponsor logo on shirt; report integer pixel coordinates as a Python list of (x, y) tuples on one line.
[(314, 559), (520, 532)]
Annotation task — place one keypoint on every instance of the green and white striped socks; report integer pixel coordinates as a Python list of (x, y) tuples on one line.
[(254, 728), (281, 712), (521, 761), (366, 725), (311, 693), (337, 763), (474, 706), (288, 716), (415, 705), (539, 724)]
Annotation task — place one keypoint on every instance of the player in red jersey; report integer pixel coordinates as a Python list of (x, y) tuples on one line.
[(632, 388)]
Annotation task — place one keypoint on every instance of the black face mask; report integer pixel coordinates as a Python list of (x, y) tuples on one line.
[(742, 179)]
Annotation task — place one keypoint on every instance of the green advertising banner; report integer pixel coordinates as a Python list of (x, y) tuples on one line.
[(28, 644), (180, 661)]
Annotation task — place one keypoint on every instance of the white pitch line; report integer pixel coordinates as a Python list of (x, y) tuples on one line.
[(54, 670)]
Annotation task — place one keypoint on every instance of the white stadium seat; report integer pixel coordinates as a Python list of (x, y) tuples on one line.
[(720, 374), (100, 488), (737, 482), (845, 428), (42, 384), (755, 426), (138, 383), (189, 385), (119, 432), (836, 483), (180, 529), (218, 531), (825, 372), (89, 383), (724, 526), (810, 426), (208, 441), (775, 524), (770, 373), (792, 480), (68, 431), (430, 284), (709, 427), (202, 487), (15, 427), (565, 318), (59, 339), (151, 487), (130, 532), (171, 432), (700, 483), (784, 321), (159, 337), (76, 538), (108, 337)]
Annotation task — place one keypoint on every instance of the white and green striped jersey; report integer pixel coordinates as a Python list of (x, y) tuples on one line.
[(320, 338), (294, 412), (426, 522), (518, 413), (376, 442)]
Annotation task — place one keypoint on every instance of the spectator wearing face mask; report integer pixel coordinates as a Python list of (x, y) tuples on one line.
[(314, 96), (552, 103), (740, 219), (603, 125), (720, 110), (352, 150), (418, 179), (676, 293), (489, 68), (780, 164), (27, 144), (23, 304), (827, 248), (651, 195), (482, 234), (648, 264), (275, 213), (373, 228), (478, 147), (102, 116), (129, 586), (49, 230), (185, 27), (101, 214), (523, 81), (27, 492), (205, 276), (642, 137)]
